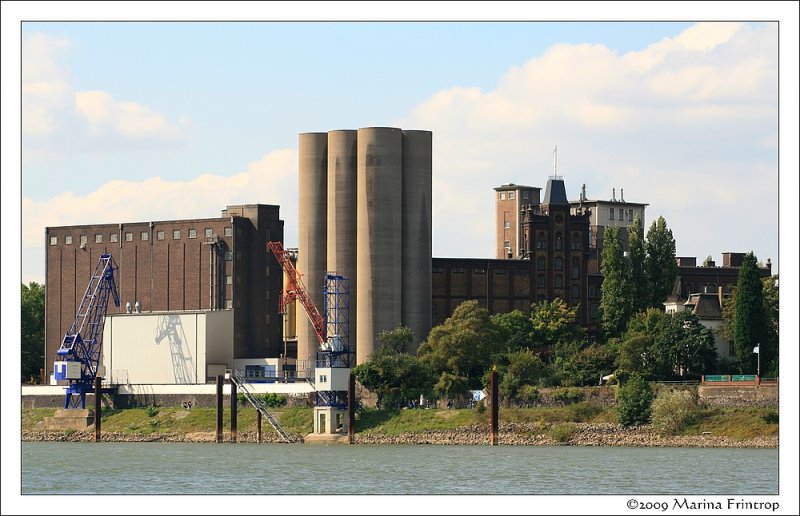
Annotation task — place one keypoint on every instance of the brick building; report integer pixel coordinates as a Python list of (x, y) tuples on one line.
[(176, 265)]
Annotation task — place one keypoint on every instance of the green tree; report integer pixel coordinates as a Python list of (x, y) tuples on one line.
[(691, 351), (771, 308), (520, 368), (450, 386), (634, 399), (397, 340), (586, 366), (616, 305), (750, 325), (554, 322), (662, 269), (463, 345), (32, 330), (395, 377), (516, 330), (637, 258)]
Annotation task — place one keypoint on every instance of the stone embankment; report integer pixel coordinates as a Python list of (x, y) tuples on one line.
[(521, 434)]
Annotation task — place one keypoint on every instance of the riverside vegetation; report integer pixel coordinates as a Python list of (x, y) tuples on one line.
[(583, 423)]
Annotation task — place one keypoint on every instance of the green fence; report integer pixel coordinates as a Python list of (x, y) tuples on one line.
[(709, 378)]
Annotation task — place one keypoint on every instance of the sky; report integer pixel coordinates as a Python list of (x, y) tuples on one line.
[(121, 121)]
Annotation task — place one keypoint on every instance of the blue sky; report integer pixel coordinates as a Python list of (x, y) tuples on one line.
[(125, 122)]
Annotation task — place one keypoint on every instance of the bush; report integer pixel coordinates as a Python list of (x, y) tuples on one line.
[(529, 396), (770, 417), (152, 411), (672, 411), (634, 399), (563, 433), (568, 395)]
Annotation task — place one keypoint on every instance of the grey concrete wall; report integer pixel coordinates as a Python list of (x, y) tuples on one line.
[(417, 230), (379, 235), (342, 210), (312, 232)]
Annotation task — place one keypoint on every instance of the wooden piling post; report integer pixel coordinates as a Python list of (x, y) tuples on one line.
[(234, 410), (219, 408), (351, 409), (98, 404), (495, 407), (258, 425)]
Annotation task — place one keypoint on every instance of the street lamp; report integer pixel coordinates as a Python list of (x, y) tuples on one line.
[(758, 360)]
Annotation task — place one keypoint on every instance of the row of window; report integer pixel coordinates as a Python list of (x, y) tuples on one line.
[(511, 195), (624, 214), (143, 236)]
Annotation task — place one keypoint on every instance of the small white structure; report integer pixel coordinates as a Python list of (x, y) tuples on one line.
[(167, 347)]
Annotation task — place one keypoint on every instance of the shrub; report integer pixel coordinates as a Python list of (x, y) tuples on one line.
[(529, 396), (672, 411), (152, 411), (770, 417), (634, 398), (563, 433), (568, 395)]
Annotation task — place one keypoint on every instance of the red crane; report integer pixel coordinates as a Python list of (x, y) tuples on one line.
[(295, 289)]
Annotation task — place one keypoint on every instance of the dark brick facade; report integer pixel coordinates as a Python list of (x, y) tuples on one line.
[(201, 264)]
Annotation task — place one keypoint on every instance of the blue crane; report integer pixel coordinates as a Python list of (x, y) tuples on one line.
[(78, 358)]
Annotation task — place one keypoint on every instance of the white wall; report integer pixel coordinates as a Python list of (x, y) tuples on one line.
[(155, 348)]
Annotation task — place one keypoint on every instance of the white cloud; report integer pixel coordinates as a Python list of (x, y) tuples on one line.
[(270, 180), (687, 125), (57, 119)]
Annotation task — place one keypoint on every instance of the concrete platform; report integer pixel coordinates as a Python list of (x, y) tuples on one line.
[(326, 439), (64, 419)]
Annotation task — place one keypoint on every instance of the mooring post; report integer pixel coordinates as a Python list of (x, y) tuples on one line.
[(234, 407), (351, 409), (98, 404), (258, 425), (219, 408), (494, 398)]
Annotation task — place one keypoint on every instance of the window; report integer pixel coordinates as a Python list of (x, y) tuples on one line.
[(630, 214), (540, 263), (558, 241), (129, 237), (576, 271), (611, 214), (479, 270), (507, 224), (323, 378), (228, 256), (229, 231), (510, 195), (53, 240), (576, 291), (526, 195), (192, 233), (228, 304), (458, 270), (144, 236), (502, 196), (559, 263), (540, 281), (83, 239), (209, 232), (160, 235), (98, 239), (176, 234), (68, 239), (112, 237), (507, 244), (559, 281), (229, 280)]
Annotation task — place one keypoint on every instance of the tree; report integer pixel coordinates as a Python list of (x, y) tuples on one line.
[(586, 366), (521, 368), (554, 322), (750, 325), (32, 330), (637, 258), (770, 366), (662, 269), (616, 304), (691, 351), (634, 398), (396, 340), (516, 330), (463, 345), (396, 377)]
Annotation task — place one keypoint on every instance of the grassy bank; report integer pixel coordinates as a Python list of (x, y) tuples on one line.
[(737, 423)]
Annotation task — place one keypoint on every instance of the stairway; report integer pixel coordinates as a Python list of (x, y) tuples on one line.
[(259, 405)]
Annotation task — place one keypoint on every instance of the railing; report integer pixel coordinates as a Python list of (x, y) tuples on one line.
[(736, 378), (259, 405)]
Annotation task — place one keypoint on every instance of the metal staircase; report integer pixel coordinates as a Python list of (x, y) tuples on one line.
[(259, 405)]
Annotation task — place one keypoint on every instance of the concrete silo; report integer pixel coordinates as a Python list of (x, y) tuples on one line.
[(379, 235), (312, 215), (342, 209), (416, 231)]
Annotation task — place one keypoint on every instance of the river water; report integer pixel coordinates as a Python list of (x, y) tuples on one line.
[(317, 469)]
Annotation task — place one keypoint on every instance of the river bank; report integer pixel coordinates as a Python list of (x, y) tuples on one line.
[(513, 434)]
